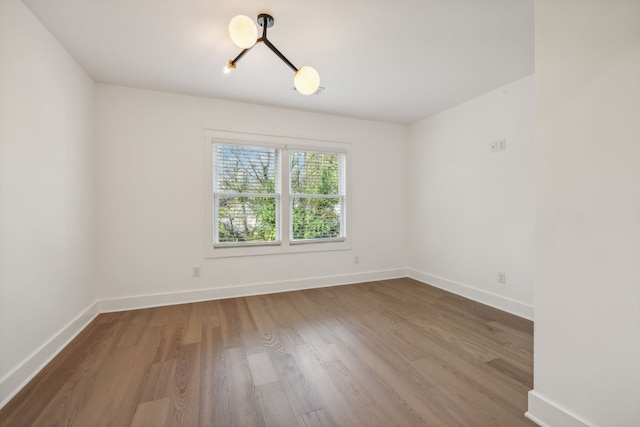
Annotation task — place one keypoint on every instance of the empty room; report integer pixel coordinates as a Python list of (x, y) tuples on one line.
[(338, 213)]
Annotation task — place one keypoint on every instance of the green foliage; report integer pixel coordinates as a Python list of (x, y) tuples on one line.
[(315, 174), (315, 218), (314, 179), (243, 170), (246, 219)]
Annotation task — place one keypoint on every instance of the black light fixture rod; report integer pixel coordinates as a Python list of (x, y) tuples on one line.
[(265, 21), (240, 55), (280, 55)]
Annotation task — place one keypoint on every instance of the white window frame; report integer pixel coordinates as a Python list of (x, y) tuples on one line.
[(284, 244), (340, 195), (277, 195)]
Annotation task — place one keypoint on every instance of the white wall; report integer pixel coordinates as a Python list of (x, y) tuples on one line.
[(123, 221), (151, 195), (587, 288), (46, 196), (471, 211)]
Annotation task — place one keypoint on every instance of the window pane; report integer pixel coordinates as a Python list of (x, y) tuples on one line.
[(246, 169), (314, 173), (315, 218), (246, 219)]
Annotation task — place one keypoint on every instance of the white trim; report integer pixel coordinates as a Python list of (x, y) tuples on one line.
[(13, 382), (156, 300), (241, 136), (275, 248), (20, 376), (546, 413), (509, 305)]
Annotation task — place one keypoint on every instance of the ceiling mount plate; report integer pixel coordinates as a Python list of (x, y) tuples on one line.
[(265, 18)]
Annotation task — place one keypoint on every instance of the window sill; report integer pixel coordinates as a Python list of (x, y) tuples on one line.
[(260, 250)]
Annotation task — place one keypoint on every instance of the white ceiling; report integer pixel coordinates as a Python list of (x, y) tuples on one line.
[(396, 61)]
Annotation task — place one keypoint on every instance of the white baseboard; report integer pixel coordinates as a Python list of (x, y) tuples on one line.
[(546, 413), (155, 300), (497, 301), (15, 380)]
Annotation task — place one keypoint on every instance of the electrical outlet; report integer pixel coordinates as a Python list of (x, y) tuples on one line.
[(196, 271), (502, 278), (502, 144), (493, 147)]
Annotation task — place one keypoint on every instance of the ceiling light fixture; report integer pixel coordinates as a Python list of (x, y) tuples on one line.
[(244, 34)]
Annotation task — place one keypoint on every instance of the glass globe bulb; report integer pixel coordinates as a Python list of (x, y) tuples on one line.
[(243, 31), (306, 80)]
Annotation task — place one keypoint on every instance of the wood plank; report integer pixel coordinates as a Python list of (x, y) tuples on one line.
[(274, 406), (158, 383), (60, 383), (185, 397), (393, 352), (262, 369), (302, 398), (329, 396), (355, 395), (215, 404), (314, 419), (152, 413), (210, 314), (244, 401), (413, 388), (385, 396), (113, 398), (193, 329)]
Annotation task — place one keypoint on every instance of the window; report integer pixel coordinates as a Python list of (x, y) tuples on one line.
[(246, 194), (275, 195), (316, 195)]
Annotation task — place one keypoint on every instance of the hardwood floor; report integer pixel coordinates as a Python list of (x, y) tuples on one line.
[(393, 352)]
